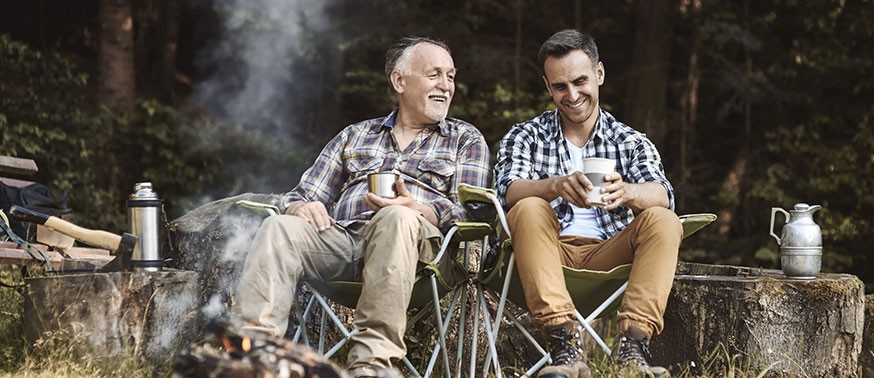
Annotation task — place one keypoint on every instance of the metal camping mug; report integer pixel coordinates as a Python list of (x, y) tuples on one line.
[(382, 184), (143, 210)]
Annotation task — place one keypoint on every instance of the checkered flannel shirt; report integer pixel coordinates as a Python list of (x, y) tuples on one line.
[(435, 162), (536, 150)]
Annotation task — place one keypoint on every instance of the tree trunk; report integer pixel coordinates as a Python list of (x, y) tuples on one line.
[(689, 98), (116, 54), (648, 81), (169, 35), (810, 328)]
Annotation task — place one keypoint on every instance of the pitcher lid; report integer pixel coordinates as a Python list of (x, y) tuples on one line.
[(802, 207)]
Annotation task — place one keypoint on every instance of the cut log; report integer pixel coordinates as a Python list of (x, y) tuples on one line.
[(760, 321), (866, 360), (109, 315)]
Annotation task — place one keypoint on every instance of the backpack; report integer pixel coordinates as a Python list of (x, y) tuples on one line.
[(36, 197)]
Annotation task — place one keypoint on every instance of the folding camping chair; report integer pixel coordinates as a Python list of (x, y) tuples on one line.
[(594, 292), (430, 286)]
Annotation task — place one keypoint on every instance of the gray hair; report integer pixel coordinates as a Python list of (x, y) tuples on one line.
[(397, 57)]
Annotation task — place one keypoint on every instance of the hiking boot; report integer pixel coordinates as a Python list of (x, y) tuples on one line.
[(566, 350), (373, 371), (631, 351)]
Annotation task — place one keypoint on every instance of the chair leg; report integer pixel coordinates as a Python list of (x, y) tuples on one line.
[(300, 334), (597, 312), (462, 322), (492, 355), (474, 342)]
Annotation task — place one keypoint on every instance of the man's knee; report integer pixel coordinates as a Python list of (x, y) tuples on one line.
[(282, 224), (660, 221), (530, 206), (396, 214), (663, 218)]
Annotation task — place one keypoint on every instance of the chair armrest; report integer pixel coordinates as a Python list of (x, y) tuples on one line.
[(265, 209), (694, 222), (469, 231)]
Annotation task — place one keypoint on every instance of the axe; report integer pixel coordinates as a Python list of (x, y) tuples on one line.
[(123, 245)]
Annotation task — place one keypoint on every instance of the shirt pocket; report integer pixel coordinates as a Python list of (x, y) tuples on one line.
[(362, 165), (437, 173)]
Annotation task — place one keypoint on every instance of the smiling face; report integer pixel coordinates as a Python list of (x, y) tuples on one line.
[(425, 90), (573, 80)]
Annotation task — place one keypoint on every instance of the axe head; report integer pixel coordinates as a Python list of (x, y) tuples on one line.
[(123, 255)]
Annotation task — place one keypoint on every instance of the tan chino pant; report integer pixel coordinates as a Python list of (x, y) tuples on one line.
[(651, 243), (382, 253)]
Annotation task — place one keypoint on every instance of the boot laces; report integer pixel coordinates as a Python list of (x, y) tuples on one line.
[(563, 347), (634, 352)]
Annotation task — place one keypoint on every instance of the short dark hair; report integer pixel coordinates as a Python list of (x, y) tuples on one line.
[(565, 41), (400, 50)]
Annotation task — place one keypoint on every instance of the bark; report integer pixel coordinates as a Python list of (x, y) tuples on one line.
[(759, 321), (648, 81), (866, 360), (116, 54), (108, 315)]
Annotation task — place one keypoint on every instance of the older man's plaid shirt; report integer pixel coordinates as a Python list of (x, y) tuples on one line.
[(435, 162), (536, 150)]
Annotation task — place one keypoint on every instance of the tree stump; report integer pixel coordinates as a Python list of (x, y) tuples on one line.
[(758, 320), (109, 315), (866, 360)]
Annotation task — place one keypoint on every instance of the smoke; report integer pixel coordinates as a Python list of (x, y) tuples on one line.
[(249, 64)]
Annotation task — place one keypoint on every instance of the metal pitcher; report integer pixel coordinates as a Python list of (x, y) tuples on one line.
[(800, 241)]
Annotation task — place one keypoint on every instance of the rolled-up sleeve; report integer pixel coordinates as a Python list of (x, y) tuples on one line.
[(646, 166), (514, 160)]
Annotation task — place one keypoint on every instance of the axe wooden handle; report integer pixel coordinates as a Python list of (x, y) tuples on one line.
[(96, 238)]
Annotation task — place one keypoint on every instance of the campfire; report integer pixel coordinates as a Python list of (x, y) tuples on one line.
[(230, 353)]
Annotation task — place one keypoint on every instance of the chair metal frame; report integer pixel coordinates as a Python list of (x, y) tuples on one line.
[(429, 282), (691, 224)]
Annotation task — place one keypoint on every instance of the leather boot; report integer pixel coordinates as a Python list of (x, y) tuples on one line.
[(631, 351), (566, 349)]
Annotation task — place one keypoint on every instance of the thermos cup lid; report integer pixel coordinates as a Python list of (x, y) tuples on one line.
[(143, 191)]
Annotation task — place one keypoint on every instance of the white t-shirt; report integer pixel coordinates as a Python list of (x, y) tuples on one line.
[(585, 222)]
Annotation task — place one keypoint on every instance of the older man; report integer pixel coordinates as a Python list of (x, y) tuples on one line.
[(334, 229)]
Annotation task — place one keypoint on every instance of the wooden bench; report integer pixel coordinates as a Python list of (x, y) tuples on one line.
[(10, 253), (16, 167)]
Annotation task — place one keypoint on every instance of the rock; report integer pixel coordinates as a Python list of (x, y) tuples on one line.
[(213, 240), (770, 323)]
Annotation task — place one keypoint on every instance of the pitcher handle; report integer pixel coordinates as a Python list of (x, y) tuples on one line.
[(774, 211)]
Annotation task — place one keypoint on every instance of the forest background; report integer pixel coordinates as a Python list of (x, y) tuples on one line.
[(752, 104)]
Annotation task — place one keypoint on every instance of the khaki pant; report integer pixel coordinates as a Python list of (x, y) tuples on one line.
[(382, 253), (651, 243)]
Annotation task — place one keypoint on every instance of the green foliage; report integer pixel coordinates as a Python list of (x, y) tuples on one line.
[(11, 339), (98, 153)]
